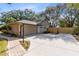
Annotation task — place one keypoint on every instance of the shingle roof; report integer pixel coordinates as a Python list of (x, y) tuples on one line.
[(28, 22)]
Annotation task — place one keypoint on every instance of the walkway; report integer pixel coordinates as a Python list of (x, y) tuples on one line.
[(14, 48)]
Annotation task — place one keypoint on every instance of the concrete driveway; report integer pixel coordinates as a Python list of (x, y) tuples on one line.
[(52, 45)]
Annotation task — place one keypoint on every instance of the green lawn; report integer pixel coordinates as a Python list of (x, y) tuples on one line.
[(3, 46)]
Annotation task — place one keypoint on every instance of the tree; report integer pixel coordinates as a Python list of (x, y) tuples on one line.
[(73, 5), (15, 15), (52, 14), (69, 15), (62, 23)]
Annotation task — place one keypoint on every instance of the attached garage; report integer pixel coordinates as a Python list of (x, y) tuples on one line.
[(29, 27)]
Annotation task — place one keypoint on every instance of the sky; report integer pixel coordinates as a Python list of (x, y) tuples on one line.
[(36, 7)]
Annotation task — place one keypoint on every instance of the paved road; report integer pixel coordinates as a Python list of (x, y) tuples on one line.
[(52, 45)]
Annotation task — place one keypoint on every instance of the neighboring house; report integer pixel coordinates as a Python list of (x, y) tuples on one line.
[(30, 27)]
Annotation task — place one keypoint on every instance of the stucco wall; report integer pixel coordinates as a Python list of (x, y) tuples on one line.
[(15, 28)]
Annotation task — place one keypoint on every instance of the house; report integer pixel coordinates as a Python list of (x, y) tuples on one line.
[(26, 27)]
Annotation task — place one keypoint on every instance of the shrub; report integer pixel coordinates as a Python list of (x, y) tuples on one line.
[(5, 27), (5, 31), (62, 23), (8, 33), (76, 30)]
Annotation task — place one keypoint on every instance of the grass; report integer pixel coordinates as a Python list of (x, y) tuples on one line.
[(3, 46), (25, 45)]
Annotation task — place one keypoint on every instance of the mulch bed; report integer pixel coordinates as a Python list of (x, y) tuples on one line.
[(76, 37), (25, 45)]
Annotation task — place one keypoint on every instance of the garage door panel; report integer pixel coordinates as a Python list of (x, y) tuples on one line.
[(29, 29)]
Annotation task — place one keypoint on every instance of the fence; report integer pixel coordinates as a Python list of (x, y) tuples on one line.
[(61, 30)]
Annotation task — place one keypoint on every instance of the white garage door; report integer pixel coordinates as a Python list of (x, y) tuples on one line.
[(28, 30), (41, 29)]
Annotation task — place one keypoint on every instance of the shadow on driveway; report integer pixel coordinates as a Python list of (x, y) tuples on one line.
[(64, 37)]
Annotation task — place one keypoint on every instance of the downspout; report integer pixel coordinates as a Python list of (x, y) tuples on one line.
[(20, 30), (37, 29), (23, 32)]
